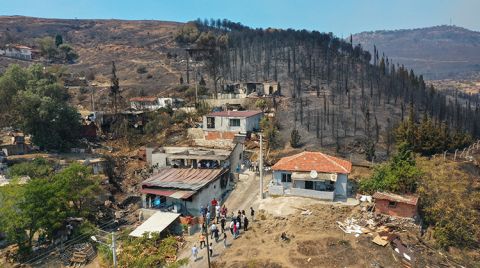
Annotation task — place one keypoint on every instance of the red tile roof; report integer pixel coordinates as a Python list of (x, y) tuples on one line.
[(144, 99), (407, 199), (308, 161), (235, 113)]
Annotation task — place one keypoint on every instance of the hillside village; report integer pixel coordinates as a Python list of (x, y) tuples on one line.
[(189, 148)]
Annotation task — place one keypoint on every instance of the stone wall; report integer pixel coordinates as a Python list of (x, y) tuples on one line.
[(275, 190)]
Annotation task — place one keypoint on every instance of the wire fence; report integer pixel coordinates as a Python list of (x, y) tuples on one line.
[(462, 154)]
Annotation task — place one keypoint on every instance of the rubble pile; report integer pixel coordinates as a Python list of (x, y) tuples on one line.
[(78, 254)]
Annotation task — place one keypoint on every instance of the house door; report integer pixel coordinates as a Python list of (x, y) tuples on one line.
[(309, 185)]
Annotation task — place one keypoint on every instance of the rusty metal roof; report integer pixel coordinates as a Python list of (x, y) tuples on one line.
[(183, 178), (407, 199), (235, 113)]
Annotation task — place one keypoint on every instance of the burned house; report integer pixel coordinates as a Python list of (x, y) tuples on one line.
[(184, 190), (14, 143), (405, 206), (17, 51), (155, 103), (144, 103), (243, 89)]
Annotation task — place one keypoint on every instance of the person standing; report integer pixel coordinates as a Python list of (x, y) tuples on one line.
[(252, 213), (217, 212), (213, 204), (208, 217), (232, 224), (210, 248), (213, 227), (216, 235), (222, 224), (202, 241), (239, 219), (238, 225), (225, 240), (245, 224), (234, 231), (194, 252)]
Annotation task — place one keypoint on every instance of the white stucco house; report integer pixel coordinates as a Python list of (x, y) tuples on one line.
[(225, 124), (194, 157), (311, 174)]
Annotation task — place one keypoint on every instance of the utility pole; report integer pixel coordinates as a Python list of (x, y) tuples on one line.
[(261, 166), (206, 235), (114, 251)]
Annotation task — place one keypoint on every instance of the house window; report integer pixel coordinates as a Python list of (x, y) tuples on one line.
[(234, 122), (392, 204), (210, 122), (286, 177)]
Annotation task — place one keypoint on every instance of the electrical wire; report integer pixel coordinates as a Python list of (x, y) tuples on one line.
[(66, 244)]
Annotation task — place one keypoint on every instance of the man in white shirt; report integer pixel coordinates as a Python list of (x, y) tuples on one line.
[(194, 252)]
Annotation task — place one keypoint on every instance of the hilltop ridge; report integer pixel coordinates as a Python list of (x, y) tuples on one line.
[(437, 52)]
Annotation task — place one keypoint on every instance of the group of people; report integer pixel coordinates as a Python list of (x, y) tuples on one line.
[(214, 215)]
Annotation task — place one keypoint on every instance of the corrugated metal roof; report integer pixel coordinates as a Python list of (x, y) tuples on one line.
[(183, 178), (235, 113), (407, 199), (308, 161), (169, 193)]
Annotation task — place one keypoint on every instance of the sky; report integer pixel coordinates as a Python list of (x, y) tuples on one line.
[(342, 17)]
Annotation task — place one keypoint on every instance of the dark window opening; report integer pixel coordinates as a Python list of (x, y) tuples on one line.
[(286, 177), (210, 122), (309, 185), (234, 122), (392, 204)]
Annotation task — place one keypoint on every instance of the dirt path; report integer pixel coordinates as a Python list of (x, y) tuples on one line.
[(243, 196)]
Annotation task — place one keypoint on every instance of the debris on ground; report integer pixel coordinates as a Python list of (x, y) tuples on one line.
[(78, 254), (306, 212), (350, 226)]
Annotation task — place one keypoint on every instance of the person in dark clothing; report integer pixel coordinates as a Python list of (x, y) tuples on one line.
[(215, 234), (239, 219), (252, 213), (245, 224), (222, 224)]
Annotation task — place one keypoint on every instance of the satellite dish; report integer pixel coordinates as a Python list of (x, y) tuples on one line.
[(313, 174)]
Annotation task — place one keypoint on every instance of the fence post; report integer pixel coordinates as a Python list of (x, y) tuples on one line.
[(445, 155), (455, 157)]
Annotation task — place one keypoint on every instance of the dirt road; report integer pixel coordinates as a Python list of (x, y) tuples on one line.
[(243, 196)]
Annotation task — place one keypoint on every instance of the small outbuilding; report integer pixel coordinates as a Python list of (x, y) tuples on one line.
[(405, 206)]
